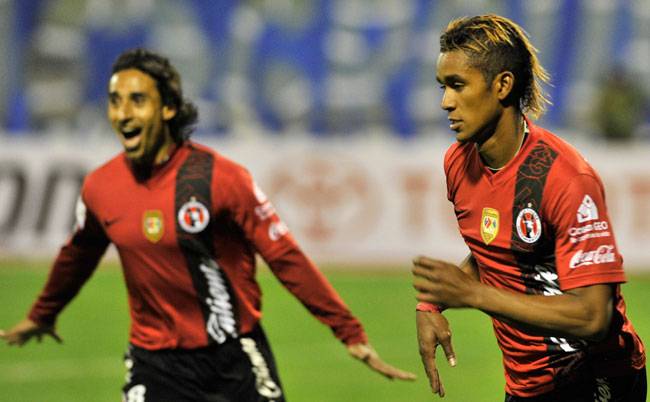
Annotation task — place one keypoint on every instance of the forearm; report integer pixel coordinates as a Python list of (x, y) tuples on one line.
[(71, 269), (584, 313), (308, 284)]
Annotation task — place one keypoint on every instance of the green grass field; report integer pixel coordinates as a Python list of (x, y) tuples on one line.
[(313, 365)]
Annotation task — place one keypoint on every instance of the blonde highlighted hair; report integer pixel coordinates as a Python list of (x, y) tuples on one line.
[(495, 44)]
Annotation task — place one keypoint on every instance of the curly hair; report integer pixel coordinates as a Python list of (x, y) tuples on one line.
[(168, 82), (495, 44)]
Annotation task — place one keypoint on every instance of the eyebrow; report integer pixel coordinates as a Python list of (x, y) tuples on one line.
[(450, 78), (130, 95)]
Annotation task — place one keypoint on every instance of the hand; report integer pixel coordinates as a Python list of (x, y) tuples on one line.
[(433, 330), (442, 283), (22, 332), (367, 354)]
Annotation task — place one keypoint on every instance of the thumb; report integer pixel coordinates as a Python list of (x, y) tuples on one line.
[(449, 352)]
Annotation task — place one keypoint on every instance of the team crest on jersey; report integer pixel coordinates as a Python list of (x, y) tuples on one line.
[(152, 225), (489, 225), (193, 216), (529, 226)]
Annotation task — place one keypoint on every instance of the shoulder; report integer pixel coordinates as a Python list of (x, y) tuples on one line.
[(230, 179), (457, 158), (457, 154), (108, 172), (222, 165), (570, 170), (568, 162)]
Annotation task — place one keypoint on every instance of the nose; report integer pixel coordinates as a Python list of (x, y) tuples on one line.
[(123, 111), (447, 102)]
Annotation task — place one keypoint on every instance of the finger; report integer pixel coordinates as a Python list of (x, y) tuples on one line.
[(15, 340), (434, 378), (427, 297), (427, 285), (424, 261), (389, 371), (430, 273), (449, 351), (56, 336), (419, 272)]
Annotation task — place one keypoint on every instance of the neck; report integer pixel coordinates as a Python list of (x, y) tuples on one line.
[(144, 167), (164, 152), (502, 146)]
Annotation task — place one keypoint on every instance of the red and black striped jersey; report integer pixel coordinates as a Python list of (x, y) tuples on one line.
[(187, 239), (540, 225)]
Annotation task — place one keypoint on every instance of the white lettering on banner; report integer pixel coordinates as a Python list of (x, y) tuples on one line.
[(346, 202), (587, 210), (263, 380), (324, 194), (221, 321), (601, 255)]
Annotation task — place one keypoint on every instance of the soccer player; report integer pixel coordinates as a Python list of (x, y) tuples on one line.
[(543, 261), (187, 224)]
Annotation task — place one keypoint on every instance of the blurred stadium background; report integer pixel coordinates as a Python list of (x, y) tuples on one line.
[(333, 106)]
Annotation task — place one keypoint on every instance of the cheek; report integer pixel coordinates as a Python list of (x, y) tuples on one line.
[(479, 104)]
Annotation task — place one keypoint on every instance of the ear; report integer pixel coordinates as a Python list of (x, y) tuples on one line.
[(503, 83), (168, 112)]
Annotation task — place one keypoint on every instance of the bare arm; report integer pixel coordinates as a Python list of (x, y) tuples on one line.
[(579, 313)]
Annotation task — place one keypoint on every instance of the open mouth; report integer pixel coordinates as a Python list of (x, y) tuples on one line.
[(130, 133), (132, 138)]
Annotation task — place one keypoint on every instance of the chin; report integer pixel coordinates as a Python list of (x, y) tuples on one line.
[(460, 137)]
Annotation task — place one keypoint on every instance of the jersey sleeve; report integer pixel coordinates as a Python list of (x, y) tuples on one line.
[(451, 169), (586, 251), (72, 267), (272, 240)]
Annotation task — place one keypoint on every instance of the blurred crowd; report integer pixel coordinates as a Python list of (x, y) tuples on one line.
[(319, 67)]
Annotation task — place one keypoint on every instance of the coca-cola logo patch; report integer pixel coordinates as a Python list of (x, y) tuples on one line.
[(601, 255)]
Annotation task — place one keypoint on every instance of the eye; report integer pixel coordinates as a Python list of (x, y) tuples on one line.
[(138, 99), (113, 100)]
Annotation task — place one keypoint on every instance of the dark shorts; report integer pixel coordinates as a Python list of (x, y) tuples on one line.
[(627, 388), (241, 370)]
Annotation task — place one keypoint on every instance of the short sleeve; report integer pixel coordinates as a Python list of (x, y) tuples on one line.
[(585, 247)]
